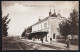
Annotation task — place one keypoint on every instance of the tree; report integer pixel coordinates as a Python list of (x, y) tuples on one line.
[(5, 22), (24, 33), (28, 30), (28, 33), (64, 28), (70, 26), (74, 22)]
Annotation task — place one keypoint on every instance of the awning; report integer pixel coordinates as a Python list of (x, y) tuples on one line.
[(38, 32)]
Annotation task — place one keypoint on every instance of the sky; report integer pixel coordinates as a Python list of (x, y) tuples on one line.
[(26, 13)]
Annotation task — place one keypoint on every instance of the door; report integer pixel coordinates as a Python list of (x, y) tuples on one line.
[(53, 36)]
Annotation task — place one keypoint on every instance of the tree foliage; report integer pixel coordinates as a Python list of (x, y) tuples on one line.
[(24, 33), (74, 22), (5, 22), (64, 28), (28, 30), (70, 26)]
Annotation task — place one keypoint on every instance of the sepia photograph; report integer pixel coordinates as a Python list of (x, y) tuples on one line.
[(40, 25)]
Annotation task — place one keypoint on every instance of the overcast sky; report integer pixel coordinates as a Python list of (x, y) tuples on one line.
[(26, 13)]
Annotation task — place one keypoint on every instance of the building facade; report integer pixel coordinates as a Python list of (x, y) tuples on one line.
[(47, 28)]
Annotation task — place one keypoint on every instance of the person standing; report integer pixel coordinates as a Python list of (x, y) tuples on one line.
[(42, 40), (68, 42), (50, 40)]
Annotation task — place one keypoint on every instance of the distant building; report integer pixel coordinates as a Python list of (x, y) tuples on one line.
[(47, 28)]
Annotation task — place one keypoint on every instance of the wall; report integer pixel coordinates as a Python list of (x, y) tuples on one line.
[(54, 26), (38, 26)]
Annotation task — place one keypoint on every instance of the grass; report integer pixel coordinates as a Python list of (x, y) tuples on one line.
[(9, 44)]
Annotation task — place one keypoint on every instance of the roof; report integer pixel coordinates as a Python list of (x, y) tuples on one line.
[(39, 31), (53, 15), (41, 20)]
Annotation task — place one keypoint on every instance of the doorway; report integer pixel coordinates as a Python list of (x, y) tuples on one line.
[(53, 36)]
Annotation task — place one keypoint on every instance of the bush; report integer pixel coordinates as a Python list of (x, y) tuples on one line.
[(58, 37), (75, 37), (75, 41), (61, 40), (62, 37)]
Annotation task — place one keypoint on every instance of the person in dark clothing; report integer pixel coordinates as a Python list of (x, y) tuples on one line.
[(42, 40), (50, 40)]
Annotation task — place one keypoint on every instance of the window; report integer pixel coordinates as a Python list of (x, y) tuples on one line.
[(45, 25)]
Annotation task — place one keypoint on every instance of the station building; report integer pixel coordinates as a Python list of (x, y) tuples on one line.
[(47, 28)]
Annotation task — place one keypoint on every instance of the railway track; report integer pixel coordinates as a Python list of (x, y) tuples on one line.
[(24, 46), (12, 45), (30, 45), (21, 48)]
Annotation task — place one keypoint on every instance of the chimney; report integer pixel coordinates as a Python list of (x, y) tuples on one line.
[(39, 18), (50, 12), (54, 12)]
